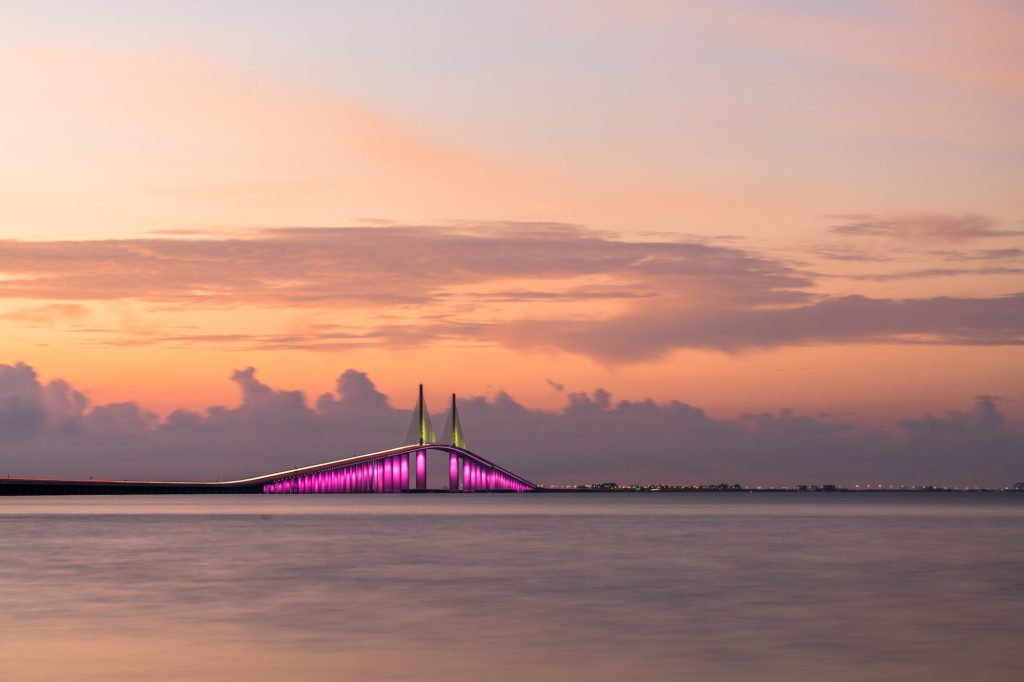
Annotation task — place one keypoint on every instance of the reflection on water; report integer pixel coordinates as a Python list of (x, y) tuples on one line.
[(599, 587)]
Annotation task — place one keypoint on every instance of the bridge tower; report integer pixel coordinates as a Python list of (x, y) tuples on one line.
[(421, 432), (453, 435)]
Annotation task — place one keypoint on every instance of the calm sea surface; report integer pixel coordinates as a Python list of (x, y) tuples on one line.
[(528, 587)]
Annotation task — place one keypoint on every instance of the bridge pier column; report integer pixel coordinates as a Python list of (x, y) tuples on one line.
[(388, 478), (421, 470), (403, 475), (453, 471)]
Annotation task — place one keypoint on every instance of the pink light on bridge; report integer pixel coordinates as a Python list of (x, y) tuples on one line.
[(421, 470), (386, 473)]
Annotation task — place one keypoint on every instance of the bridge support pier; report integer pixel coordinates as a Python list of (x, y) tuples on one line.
[(453, 471), (421, 470)]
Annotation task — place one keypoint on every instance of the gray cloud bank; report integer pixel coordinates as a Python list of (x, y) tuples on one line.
[(51, 429)]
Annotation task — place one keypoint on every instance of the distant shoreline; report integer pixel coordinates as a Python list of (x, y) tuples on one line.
[(38, 487), (711, 489)]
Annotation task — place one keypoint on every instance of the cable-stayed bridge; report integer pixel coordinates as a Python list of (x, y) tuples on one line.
[(399, 469)]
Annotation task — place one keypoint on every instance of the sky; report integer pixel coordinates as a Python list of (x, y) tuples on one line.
[(762, 241)]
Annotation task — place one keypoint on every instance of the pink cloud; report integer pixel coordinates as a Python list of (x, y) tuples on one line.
[(620, 300)]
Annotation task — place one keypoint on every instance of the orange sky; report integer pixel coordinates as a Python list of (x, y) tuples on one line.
[(816, 208)]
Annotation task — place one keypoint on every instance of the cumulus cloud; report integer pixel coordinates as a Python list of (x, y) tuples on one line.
[(50, 429)]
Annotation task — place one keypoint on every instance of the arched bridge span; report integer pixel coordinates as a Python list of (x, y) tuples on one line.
[(396, 470)]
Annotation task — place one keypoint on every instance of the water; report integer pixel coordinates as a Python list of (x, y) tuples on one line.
[(528, 587)]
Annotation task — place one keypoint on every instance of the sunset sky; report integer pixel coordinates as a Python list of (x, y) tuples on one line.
[(759, 209)]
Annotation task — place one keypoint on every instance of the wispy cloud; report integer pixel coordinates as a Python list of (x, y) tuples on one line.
[(926, 228), (931, 273), (339, 267), (48, 314), (654, 330), (516, 284)]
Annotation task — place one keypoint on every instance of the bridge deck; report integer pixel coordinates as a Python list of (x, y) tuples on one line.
[(252, 485)]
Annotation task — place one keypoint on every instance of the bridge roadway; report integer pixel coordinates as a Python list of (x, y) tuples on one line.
[(258, 484)]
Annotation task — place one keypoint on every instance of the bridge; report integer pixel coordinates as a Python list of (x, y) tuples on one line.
[(398, 470)]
